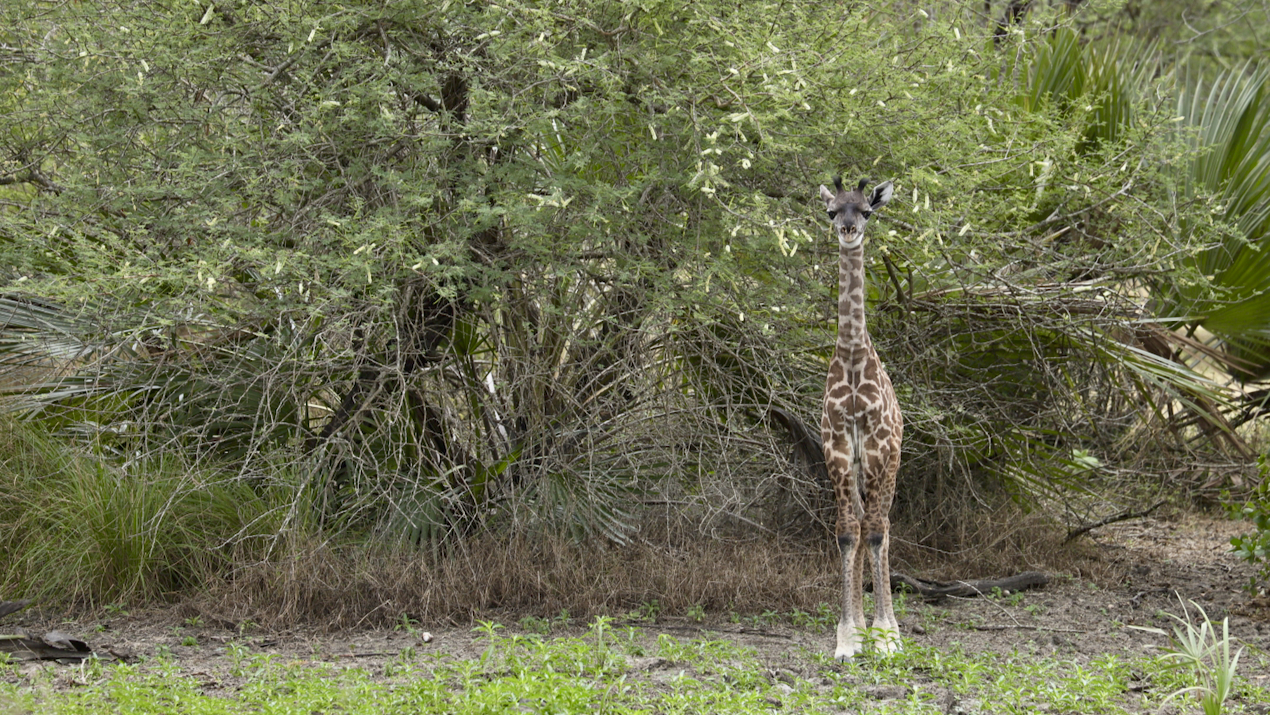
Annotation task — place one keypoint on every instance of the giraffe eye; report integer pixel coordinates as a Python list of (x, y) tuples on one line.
[(832, 214), (867, 213)]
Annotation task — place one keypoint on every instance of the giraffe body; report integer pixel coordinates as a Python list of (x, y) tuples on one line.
[(861, 428)]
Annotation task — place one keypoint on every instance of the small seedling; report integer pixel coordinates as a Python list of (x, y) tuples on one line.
[(189, 641), (489, 629), (401, 663), (1254, 547), (899, 602), (599, 626), (647, 612), (90, 669), (238, 656), (697, 613), (827, 615), (407, 624), (534, 624), (766, 618)]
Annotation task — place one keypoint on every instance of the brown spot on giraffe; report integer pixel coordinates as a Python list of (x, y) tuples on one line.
[(861, 428)]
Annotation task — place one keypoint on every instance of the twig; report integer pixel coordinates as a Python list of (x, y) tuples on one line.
[(998, 606), (1122, 516), (755, 632), (895, 280)]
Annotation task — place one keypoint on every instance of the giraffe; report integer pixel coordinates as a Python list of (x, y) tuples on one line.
[(861, 428)]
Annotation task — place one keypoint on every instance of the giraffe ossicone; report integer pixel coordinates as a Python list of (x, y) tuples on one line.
[(861, 428)]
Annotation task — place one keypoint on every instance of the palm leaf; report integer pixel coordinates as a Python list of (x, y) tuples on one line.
[(37, 334), (1228, 125)]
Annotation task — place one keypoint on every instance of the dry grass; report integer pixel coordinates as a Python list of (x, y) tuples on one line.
[(506, 578)]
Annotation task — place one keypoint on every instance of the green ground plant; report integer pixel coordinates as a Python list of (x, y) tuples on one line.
[(84, 529), (600, 670), (1254, 546), (1197, 648)]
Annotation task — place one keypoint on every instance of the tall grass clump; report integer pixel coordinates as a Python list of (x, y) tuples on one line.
[(85, 530)]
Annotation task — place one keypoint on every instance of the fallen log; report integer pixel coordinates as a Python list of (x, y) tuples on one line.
[(935, 590)]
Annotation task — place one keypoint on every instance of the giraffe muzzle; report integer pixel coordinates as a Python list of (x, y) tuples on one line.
[(849, 240)]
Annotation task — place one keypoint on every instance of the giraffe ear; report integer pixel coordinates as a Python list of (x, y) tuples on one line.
[(881, 194), (826, 194)]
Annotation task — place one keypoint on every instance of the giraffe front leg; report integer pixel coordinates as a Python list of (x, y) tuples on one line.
[(886, 630), (851, 622)]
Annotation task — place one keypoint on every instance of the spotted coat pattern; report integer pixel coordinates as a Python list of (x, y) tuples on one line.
[(861, 428)]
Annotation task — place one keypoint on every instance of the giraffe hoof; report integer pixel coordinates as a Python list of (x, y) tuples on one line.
[(849, 642)]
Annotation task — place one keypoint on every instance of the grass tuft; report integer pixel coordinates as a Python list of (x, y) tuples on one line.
[(85, 531)]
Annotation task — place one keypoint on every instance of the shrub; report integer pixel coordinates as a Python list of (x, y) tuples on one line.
[(1254, 547)]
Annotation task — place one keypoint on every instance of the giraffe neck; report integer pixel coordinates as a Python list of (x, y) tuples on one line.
[(853, 336)]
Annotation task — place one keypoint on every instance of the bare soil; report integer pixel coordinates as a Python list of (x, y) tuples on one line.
[(1161, 560)]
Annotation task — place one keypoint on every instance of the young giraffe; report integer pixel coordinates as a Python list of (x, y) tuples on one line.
[(861, 429)]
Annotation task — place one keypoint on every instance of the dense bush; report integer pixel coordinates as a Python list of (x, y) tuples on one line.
[(476, 267)]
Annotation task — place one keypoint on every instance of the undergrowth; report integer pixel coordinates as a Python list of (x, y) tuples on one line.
[(83, 530)]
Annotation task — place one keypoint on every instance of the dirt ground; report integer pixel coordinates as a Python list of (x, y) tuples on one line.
[(1071, 617)]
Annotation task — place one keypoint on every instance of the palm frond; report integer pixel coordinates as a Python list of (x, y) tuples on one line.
[(1228, 129)]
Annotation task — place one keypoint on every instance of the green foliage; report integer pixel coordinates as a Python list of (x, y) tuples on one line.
[(470, 267), (1228, 184), (1098, 86), (82, 529), (1254, 547), (1197, 647)]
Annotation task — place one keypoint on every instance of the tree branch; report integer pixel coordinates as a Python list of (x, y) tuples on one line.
[(1122, 516)]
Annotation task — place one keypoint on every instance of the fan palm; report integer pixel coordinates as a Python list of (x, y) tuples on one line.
[(1228, 188)]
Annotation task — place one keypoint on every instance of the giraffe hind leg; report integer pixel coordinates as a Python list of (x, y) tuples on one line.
[(885, 630)]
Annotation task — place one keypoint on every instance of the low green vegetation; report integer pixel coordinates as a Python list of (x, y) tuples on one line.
[(1254, 546), (82, 528), (617, 670), (1197, 647)]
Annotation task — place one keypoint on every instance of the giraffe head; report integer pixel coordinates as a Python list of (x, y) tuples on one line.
[(850, 210)]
